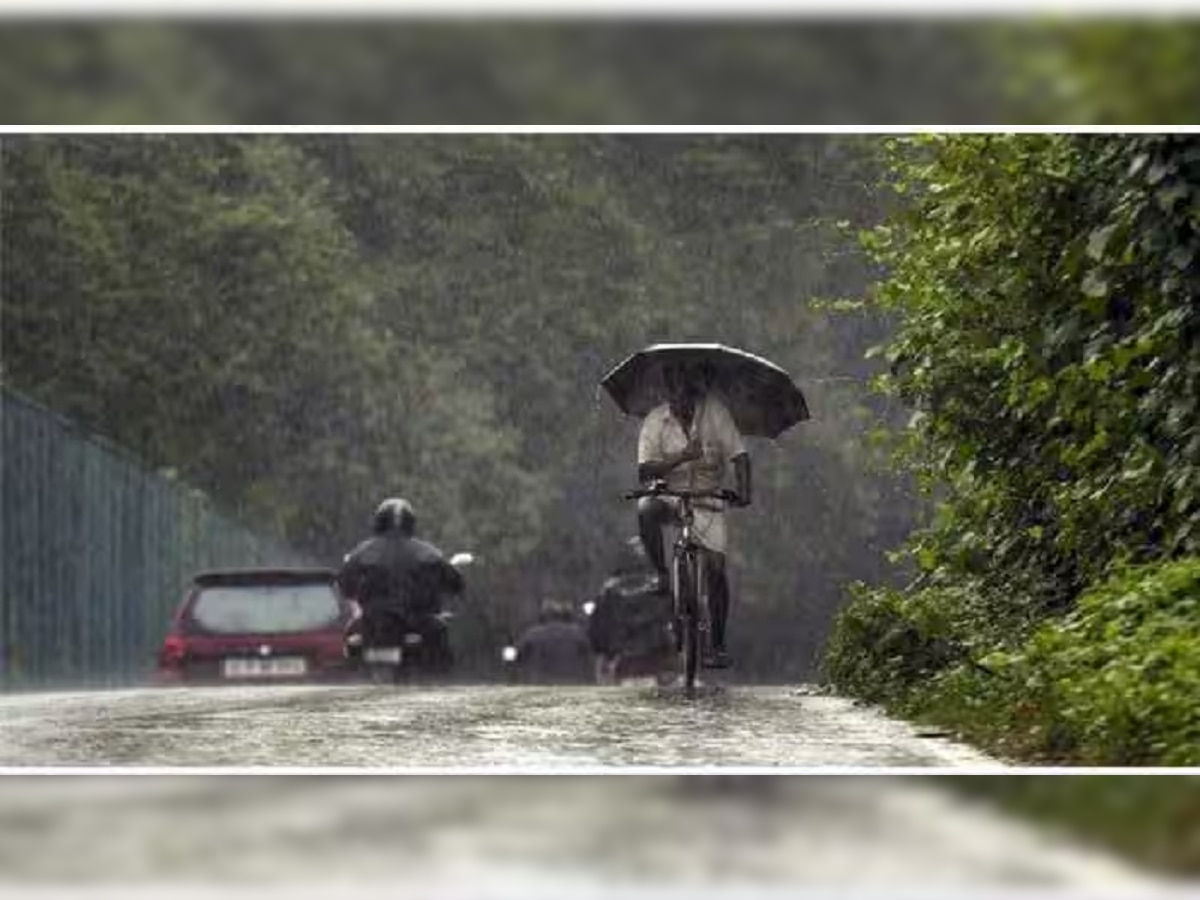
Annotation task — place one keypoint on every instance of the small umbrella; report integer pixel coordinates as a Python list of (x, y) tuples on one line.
[(762, 397)]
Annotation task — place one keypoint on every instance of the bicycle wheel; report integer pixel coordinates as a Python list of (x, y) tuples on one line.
[(689, 618)]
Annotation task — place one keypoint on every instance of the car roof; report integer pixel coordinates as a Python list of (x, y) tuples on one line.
[(277, 575)]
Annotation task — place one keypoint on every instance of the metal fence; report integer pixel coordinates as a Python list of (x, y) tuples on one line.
[(95, 551)]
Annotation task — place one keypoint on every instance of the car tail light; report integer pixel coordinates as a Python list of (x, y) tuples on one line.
[(173, 650)]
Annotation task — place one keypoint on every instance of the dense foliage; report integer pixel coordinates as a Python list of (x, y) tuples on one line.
[(1046, 289), (1117, 678), (301, 326)]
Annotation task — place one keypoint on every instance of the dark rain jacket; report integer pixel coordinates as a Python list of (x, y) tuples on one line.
[(629, 618), (556, 652), (396, 572)]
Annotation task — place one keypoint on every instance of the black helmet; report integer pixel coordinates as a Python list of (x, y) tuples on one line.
[(395, 514)]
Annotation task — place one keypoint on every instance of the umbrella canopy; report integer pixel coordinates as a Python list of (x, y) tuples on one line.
[(762, 397)]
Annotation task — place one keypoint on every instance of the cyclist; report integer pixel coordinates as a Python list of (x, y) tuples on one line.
[(392, 574), (691, 442)]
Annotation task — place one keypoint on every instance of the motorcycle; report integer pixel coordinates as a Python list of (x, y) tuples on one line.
[(391, 646), (632, 639)]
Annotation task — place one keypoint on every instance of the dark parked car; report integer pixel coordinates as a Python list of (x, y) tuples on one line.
[(257, 625)]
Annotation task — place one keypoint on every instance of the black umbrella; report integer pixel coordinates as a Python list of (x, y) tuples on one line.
[(762, 397)]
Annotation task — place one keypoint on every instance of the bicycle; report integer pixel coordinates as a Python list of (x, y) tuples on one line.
[(689, 589)]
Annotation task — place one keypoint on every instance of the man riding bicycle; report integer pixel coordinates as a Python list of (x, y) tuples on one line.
[(691, 442)]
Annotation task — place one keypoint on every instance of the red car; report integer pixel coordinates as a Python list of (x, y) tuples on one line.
[(257, 625)]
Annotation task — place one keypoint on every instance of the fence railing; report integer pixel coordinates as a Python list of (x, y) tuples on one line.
[(95, 550)]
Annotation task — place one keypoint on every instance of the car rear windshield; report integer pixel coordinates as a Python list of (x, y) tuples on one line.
[(265, 608)]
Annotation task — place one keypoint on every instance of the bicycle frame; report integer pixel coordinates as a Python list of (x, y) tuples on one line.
[(689, 589), (686, 550)]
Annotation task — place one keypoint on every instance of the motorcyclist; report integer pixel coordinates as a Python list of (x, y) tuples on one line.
[(398, 580), (628, 622), (556, 650)]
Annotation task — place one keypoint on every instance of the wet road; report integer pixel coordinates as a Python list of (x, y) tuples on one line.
[(494, 835), (461, 726)]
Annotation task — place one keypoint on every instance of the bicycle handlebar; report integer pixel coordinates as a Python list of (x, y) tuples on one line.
[(660, 490)]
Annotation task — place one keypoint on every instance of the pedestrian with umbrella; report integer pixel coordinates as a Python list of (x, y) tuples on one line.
[(697, 402)]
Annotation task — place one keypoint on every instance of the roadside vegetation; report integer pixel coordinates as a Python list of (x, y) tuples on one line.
[(1047, 344)]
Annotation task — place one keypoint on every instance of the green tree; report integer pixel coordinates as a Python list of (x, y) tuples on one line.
[(198, 300)]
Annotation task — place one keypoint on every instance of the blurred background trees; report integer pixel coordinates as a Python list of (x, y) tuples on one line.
[(813, 70), (492, 70)]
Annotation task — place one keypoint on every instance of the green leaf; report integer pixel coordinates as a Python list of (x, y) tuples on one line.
[(1094, 285), (1098, 241), (1171, 194), (1181, 257)]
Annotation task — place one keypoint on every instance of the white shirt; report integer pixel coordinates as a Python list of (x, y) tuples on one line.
[(720, 441)]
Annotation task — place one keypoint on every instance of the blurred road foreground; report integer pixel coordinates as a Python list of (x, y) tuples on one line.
[(523, 836)]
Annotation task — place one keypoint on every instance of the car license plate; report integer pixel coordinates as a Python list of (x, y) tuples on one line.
[(391, 655), (250, 667)]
